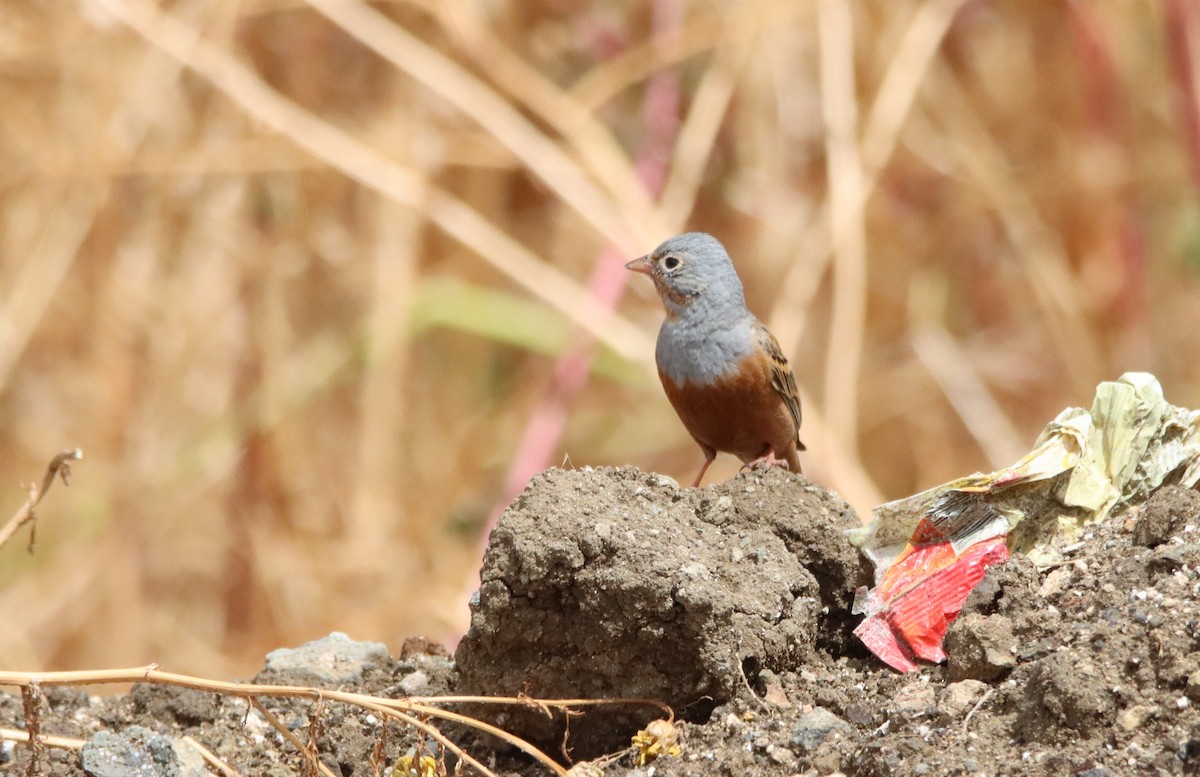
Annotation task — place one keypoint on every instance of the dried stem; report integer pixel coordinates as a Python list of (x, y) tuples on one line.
[(59, 465), (210, 758), (405, 710), (32, 701), (384, 175), (48, 740), (311, 760), (846, 227)]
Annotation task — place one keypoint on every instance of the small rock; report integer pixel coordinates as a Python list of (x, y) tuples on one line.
[(1166, 559), (331, 660), (814, 726), (980, 647), (414, 683), (165, 702), (1193, 686), (1056, 582), (421, 648), (1065, 690), (958, 698), (1135, 716), (782, 756), (1165, 514), (139, 752), (914, 699), (828, 761), (767, 677), (860, 714)]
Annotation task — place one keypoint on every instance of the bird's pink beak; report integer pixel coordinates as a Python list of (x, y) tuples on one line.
[(641, 264)]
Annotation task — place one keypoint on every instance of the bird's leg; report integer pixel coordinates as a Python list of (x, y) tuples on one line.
[(709, 455)]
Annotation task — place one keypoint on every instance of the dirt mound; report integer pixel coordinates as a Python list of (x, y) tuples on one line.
[(614, 582), (731, 603)]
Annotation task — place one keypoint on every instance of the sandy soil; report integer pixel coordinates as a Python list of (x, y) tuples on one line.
[(731, 604)]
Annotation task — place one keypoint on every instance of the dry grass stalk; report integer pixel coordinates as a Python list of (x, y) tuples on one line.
[(414, 711), (210, 758), (59, 467)]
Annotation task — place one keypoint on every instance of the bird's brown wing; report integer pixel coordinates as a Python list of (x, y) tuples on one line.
[(783, 380)]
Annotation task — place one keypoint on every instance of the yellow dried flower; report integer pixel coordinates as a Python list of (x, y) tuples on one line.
[(659, 738), (409, 766)]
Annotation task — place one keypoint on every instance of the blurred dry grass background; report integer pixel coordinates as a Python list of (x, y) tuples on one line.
[(315, 285)]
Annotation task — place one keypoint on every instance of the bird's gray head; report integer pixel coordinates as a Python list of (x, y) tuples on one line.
[(692, 272)]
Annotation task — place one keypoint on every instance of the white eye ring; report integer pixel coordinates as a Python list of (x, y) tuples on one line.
[(671, 262)]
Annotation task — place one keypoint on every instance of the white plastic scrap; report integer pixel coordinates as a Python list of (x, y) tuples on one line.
[(1084, 465)]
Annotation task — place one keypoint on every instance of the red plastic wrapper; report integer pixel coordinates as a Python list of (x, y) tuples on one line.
[(930, 549), (919, 596)]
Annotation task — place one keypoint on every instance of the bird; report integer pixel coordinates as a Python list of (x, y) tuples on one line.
[(722, 371)]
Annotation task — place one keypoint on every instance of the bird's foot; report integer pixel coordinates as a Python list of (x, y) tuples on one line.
[(765, 462)]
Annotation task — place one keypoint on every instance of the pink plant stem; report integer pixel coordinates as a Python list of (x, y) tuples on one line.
[(1106, 104), (1181, 51), (545, 428)]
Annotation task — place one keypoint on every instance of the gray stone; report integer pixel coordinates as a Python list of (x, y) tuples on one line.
[(414, 683), (139, 752), (814, 726), (331, 660)]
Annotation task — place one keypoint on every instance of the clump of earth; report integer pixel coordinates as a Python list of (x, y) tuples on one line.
[(730, 604)]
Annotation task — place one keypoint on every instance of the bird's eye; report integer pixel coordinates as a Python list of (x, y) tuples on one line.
[(671, 262)]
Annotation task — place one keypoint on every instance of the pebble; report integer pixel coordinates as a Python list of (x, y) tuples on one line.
[(1056, 581), (914, 700), (958, 698), (1135, 716), (139, 752), (332, 660), (814, 726), (1193, 686), (980, 647), (828, 761), (414, 683)]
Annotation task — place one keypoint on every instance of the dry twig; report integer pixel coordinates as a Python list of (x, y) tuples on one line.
[(412, 711), (982, 700), (59, 465), (33, 700), (211, 758)]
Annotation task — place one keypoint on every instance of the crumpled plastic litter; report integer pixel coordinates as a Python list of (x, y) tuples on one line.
[(930, 549)]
